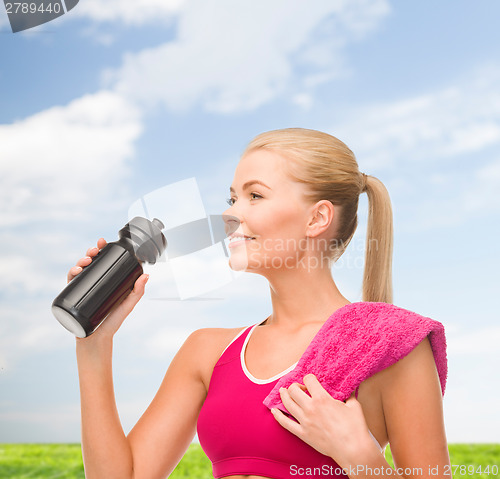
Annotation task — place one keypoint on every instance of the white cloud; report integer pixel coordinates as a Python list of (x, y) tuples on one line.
[(303, 100), (60, 166), (483, 341), (428, 135), (455, 199), (232, 56), (440, 125), (482, 196), (3, 362), (23, 422), (62, 161), (18, 278), (166, 342), (471, 409), (129, 12), (27, 330)]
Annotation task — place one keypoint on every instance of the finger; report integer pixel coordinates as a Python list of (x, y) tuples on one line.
[(298, 392), (73, 272), (136, 294), (286, 422), (85, 261), (351, 400), (92, 251), (140, 284), (313, 385), (290, 403)]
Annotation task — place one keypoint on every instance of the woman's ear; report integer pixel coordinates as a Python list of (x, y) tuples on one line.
[(322, 218)]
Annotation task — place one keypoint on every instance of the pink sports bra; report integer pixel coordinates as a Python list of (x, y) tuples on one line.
[(240, 435)]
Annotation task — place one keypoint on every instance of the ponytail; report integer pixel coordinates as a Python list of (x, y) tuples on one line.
[(377, 277)]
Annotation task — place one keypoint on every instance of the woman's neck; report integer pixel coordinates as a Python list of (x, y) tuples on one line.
[(300, 297)]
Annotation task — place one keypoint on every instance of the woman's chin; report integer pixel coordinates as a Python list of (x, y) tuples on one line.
[(238, 263)]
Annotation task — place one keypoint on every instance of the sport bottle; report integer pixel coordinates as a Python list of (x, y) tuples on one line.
[(88, 298)]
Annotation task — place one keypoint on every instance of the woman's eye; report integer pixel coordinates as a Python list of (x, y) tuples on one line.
[(230, 201)]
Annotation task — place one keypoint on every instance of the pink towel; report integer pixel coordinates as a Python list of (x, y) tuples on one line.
[(357, 341)]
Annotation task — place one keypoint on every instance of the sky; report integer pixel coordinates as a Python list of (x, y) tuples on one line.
[(117, 101)]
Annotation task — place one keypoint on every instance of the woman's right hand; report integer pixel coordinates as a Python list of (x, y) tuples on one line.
[(117, 315)]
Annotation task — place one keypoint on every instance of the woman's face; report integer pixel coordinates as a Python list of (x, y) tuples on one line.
[(272, 212)]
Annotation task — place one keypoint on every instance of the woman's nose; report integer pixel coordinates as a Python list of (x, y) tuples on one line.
[(231, 222)]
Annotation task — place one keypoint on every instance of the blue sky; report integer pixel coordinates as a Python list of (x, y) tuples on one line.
[(111, 102)]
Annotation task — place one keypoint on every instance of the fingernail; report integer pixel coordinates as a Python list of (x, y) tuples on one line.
[(78, 268), (147, 278)]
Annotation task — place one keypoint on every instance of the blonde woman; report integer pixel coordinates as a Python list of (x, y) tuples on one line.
[(291, 187)]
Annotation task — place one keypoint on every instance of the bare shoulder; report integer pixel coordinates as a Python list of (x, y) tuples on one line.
[(419, 361), (206, 345), (211, 340), (413, 375)]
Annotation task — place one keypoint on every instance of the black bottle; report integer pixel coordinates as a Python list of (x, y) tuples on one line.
[(87, 299)]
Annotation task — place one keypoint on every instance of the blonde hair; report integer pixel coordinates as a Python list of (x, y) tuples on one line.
[(330, 171)]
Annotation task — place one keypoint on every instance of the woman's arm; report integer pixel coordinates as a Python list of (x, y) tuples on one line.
[(105, 449), (164, 432), (106, 452), (413, 410), (162, 435)]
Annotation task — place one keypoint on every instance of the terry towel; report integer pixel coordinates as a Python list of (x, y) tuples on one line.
[(359, 340)]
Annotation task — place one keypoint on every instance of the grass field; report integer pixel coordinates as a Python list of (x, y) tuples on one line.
[(64, 461)]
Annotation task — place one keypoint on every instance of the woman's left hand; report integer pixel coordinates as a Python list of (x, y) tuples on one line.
[(332, 427)]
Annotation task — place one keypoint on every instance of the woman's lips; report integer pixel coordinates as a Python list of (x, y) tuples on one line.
[(234, 243)]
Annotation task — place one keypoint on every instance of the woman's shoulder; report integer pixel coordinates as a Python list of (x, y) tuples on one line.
[(408, 364), (394, 383), (206, 345), (213, 340), (410, 384)]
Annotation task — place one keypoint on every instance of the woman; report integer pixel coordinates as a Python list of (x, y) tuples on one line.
[(295, 193)]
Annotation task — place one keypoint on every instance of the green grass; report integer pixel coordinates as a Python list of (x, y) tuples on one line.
[(41, 461), (467, 460), (64, 461)]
